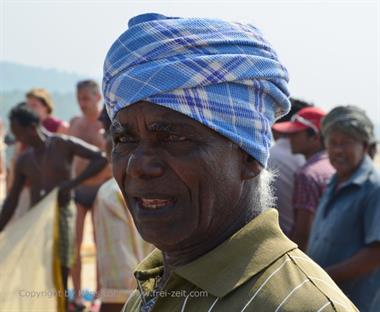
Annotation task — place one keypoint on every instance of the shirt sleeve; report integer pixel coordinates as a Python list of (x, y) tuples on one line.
[(306, 193), (372, 217)]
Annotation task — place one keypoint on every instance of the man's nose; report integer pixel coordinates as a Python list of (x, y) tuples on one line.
[(336, 148), (337, 151), (145, 163)]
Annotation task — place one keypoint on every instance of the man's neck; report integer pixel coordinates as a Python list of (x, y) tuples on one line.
[(344, 177), (312, 152), (92, 116), (39, 141), (187, 254), (43, 116)]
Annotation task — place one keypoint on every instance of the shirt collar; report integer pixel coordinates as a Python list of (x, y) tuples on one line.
[(316, 157), (231, 264), (359, 176), (283, 142)]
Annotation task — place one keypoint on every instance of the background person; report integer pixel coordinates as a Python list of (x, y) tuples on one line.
[(47, 165), (309, 180), (41, 102), (88, 128), (24, 199), (345, 238), (285, 164), (3, 169)]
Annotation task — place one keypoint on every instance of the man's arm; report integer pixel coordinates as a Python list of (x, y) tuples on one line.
[(302, 227), (63, 128), (363, 262), (367, 258), (11, 201), (72, 130), (305, 201), (97, 161)]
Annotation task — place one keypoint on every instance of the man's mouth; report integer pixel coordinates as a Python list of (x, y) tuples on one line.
[(338, 160), (154, 203)]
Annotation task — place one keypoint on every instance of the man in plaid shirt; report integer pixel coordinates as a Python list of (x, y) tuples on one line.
[(310, 180)]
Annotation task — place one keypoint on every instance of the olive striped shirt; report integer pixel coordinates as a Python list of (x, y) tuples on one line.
[(256, 269)]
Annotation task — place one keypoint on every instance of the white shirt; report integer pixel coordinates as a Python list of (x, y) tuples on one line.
[(285, 164)]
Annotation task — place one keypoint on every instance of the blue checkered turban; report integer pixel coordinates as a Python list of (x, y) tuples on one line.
[(221, 74)]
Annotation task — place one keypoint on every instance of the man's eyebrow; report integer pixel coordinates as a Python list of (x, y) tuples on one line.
[(170, 127), (161, 126), (117, 127)]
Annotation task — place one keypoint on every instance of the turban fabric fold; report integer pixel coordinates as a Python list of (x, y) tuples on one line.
[(221, 74)]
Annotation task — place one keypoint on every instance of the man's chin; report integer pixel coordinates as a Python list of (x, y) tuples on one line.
[(163, 236), (165, 242), (163, 220)]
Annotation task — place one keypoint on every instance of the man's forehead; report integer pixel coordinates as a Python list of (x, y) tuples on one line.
[(16, 126), (159, 118), (154, 114), (15, 123)]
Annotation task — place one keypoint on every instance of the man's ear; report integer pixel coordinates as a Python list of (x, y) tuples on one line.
[(366, 147), (98, 96), (33, 129), (250, 167), (317, 140)]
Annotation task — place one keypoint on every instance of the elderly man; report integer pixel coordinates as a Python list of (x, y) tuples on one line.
[(119, 247), (192, 102), (345, 238)]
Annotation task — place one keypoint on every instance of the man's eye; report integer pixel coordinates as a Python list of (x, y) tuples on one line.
[(174, 138), (125, 139)]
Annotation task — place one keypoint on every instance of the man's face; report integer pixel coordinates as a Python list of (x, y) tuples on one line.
[(21, 133), (36, 105), (181, 180), (88, 100), (299, 142), (345, 153)]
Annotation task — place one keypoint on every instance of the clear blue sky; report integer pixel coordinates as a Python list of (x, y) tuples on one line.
[(331, 48)]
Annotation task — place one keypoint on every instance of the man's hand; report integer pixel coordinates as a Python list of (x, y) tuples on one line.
[(363, 262), (302, 226), (64, 195)]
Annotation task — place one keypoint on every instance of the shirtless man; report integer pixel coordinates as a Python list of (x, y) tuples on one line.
[(40, 101), (89, 129), (47, 164)]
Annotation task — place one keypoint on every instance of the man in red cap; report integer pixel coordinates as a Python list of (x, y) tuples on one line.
[(310, 180)]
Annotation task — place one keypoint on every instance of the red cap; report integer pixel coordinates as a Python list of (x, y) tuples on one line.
[(306, 118)]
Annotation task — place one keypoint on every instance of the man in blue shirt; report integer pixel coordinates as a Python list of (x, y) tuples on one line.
[(345, 238)]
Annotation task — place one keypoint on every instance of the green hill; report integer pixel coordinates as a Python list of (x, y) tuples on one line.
[(65, 104), (21, 77), (16, 80)]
